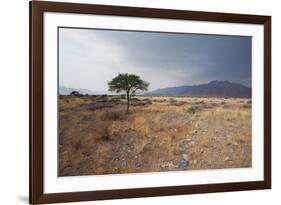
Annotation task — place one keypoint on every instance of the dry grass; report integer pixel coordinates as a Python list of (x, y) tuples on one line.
[(159, 134)]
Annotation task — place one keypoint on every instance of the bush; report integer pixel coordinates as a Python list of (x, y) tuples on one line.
[(138, 102), (194, 108), (159, 100), (104, 130), (172, 101), (227, 106), (246, 106), (111, 115), (176, 102)]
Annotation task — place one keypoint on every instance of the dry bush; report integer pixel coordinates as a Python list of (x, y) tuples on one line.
[(112, 115), (138, 102), (227, 106), (200, 102), (246, 106), (159, 100), (175, 102), (172, 101), (120, 97), (104, 131), (147, 100), (194, 108), (99, 105)]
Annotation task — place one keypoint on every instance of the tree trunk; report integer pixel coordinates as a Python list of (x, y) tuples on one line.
[(128, 103)]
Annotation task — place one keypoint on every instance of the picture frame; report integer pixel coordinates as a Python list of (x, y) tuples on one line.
[(37, 194)]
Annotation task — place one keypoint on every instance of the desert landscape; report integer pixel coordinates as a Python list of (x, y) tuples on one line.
[(161, 133), (139, 101)]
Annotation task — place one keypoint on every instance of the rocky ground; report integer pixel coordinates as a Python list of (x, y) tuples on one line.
[(96, 136)]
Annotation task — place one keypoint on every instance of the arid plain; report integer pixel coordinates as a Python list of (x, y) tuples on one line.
[(96, 136)]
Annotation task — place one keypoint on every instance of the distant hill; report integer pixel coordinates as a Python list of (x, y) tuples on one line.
[(66, 91), (212, 89)]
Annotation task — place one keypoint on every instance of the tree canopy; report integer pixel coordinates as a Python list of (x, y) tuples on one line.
[(128, 83)]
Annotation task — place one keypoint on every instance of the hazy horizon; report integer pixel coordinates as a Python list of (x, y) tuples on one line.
[(107, 92), (89, 58)]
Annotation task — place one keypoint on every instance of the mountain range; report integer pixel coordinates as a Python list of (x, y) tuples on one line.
[(66, 91), (212, 89)]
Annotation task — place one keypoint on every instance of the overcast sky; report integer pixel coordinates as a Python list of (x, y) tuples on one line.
[(89, 58)]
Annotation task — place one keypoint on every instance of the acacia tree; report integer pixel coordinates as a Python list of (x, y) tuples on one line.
[(128, 83)]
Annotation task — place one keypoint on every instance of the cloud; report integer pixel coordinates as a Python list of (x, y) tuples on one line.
[(89, 58)]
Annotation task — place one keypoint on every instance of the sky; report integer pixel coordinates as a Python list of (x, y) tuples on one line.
[(90, 58)]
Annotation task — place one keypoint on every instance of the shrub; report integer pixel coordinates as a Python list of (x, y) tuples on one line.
[(147, 101), (227, 106), (194, 108), (104, 131), (111, 115), (246, 106), (172, 101), (159, 100), (176, 102), (138, 102)]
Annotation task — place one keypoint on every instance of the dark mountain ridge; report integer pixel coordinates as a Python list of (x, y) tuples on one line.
[(212, 89)]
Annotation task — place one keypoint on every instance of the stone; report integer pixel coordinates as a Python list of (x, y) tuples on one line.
[(183, 164)]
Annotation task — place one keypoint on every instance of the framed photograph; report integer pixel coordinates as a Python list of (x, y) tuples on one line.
[(139, 102)]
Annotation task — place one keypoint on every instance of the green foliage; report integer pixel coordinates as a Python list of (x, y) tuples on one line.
[(128, 83)]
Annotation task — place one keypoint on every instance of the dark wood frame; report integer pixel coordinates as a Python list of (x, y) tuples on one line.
[(37, 9)]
